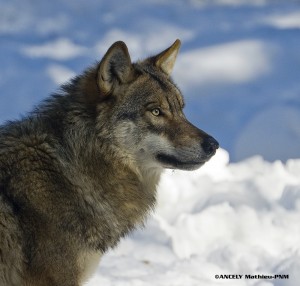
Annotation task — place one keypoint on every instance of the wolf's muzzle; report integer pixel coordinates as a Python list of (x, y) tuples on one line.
[(210, 146)]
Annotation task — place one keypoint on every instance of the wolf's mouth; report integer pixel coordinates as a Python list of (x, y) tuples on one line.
[(170, 161)]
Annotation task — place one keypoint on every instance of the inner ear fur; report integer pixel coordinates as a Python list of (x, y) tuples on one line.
[(115, 68), (165, 60)]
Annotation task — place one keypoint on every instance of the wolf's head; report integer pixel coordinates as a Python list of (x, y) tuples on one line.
[(141, 111)]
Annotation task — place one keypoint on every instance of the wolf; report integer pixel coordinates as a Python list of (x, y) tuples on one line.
[(81, 170)]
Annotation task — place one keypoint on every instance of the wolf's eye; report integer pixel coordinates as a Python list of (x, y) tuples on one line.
[(156, 111)]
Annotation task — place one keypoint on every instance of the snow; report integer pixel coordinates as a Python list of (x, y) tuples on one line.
[(228, 63), (60, 74), (225, 218), (60, 49), (228, 2), (11, 20), (276, 130), (239, 69), (286, 21), (147, 42)]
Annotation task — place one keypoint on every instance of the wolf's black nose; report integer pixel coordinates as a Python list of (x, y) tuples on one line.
[(210, 145)]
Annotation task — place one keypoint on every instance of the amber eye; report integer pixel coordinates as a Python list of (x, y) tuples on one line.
[(156, 111)]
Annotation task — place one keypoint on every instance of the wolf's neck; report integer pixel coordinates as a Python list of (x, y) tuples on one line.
[(151, 176)]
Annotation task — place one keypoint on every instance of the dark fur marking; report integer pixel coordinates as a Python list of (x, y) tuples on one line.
[(131, 116), (165, 85)]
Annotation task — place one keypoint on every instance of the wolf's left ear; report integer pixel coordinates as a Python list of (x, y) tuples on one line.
[(114, 68), (166, 59)]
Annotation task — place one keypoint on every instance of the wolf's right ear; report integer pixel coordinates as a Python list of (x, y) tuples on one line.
[(114, 68), (166, 59)]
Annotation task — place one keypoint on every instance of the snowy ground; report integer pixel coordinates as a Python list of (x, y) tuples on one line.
[(239, 70), (240, 218)]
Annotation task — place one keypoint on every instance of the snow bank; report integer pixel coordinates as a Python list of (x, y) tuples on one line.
[(240, 218)]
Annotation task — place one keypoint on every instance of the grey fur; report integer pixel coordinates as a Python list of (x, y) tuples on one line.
[(81, 171)]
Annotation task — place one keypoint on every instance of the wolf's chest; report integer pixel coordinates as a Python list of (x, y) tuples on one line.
[(88, 262)]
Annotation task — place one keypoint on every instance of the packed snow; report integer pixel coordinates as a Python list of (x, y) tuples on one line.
[(225, 218)]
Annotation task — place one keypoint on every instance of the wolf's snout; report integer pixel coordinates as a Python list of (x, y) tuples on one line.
[(210, 145)]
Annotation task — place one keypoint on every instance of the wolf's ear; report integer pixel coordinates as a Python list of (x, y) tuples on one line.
[(115, 67), (166, 59)]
